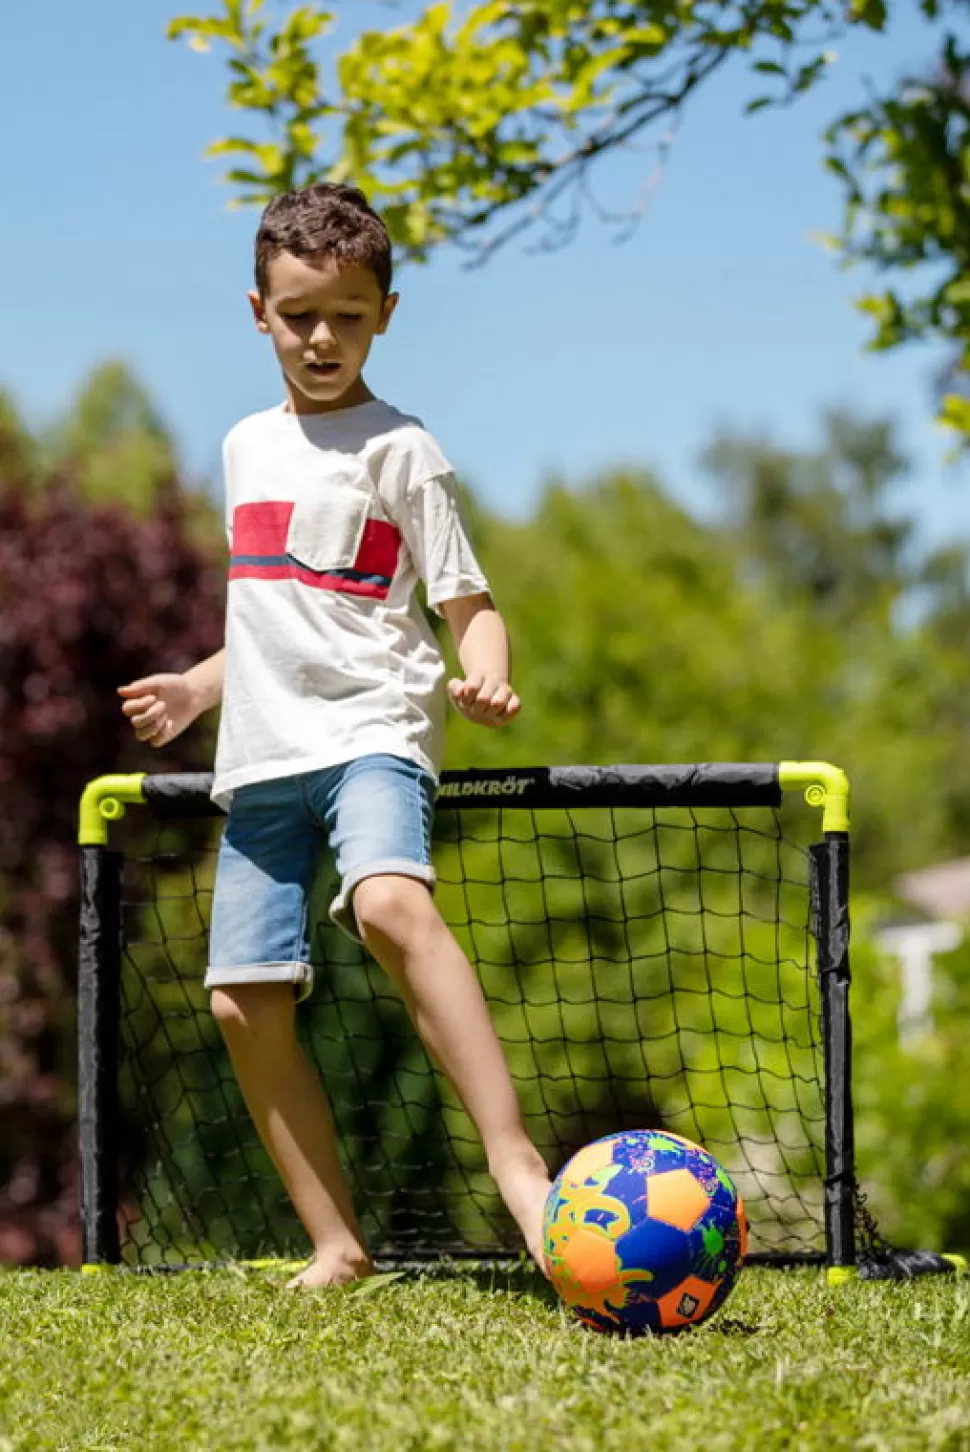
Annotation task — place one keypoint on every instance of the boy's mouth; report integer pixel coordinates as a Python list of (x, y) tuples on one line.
[(322, 370)]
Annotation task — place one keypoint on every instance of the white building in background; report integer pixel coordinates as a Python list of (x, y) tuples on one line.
[(943, 894), (914, 944)]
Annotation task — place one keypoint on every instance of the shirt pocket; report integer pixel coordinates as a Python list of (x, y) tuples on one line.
[(325, 532)]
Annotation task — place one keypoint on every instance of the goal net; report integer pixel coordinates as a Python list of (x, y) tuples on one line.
[(659, 947)]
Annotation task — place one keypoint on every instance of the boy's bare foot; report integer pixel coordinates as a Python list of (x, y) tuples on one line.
[(523, 1183), (332, 1268)]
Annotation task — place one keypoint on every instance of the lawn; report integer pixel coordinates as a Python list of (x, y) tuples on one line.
[(472, 1360)]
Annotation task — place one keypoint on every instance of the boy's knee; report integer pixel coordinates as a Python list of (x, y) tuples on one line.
[(244, 1009), (393, 907)]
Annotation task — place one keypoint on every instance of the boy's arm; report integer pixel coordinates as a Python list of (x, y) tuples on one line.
[(425, 507), (482, 642), (160, 707), (206, 680)]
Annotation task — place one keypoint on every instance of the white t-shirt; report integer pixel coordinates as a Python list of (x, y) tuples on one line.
[(331, 519)]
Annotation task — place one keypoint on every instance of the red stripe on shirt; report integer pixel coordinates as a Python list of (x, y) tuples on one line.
[(261, 529), (315, 580), (379, 549)]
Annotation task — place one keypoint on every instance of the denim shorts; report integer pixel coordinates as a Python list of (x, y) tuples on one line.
[(375, 813)]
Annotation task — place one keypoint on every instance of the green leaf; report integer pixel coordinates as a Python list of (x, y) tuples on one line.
[(247, 178), (827, 240), (228, 144), (958, 291), (955, 414), (370, 1285), (647, 35), (871, 13)]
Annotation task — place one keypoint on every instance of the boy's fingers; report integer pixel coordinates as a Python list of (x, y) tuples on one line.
[(496, 707), (155, 735), (487, 691), (485, 699), (144, 685), (132, 708), (494, 696), (465, 692), (502, 713), (150, 717)]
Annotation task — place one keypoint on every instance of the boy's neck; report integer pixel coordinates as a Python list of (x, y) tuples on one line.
[(297, 403)]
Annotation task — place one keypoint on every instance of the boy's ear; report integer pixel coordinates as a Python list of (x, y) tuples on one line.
[(259, 311), (390, 303)]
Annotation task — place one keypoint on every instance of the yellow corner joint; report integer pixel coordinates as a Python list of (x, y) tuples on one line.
[(824, 785), (104, 800)]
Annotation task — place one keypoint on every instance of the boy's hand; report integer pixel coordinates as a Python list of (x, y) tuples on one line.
[(485, 699), (159, 707)]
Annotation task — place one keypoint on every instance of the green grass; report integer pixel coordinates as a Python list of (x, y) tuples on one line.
[(207, 1362)]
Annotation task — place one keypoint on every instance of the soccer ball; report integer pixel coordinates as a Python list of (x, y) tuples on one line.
[(644, 1231)]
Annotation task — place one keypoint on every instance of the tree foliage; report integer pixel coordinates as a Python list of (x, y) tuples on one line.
[(114, 440), (911, 1129), (461, 114), (804, 623), (815, 523), (905, 162), (91, 595), (476, 123)]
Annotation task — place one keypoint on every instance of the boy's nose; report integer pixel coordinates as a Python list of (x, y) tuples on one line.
[(321, 334)]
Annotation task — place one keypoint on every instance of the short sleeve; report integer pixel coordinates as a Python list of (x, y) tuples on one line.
[(435, 535)]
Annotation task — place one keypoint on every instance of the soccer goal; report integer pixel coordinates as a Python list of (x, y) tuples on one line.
[(660, 947)]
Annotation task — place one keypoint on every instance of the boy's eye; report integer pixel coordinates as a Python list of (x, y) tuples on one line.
[(350, 317), (294, 317)]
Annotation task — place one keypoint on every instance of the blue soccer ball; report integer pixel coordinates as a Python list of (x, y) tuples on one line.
[(644, 1231)]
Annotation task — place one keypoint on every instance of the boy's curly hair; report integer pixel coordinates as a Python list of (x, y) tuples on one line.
[(324, 220)]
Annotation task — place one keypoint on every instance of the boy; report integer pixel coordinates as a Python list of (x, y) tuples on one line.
[(330, 681)]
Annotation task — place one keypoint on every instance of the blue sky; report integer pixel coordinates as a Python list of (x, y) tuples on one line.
[(720, 312)]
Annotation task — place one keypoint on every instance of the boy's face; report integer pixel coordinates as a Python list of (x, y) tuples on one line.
[(322, 316)]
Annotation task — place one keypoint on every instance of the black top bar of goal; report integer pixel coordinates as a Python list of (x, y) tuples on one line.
[(702, 784)]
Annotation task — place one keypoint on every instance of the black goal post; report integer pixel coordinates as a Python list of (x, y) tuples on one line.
[(660, 947)]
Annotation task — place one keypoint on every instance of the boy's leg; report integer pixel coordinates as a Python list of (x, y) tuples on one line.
[(402, 928), (379, 816), (258, 959), (293, 1120)]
